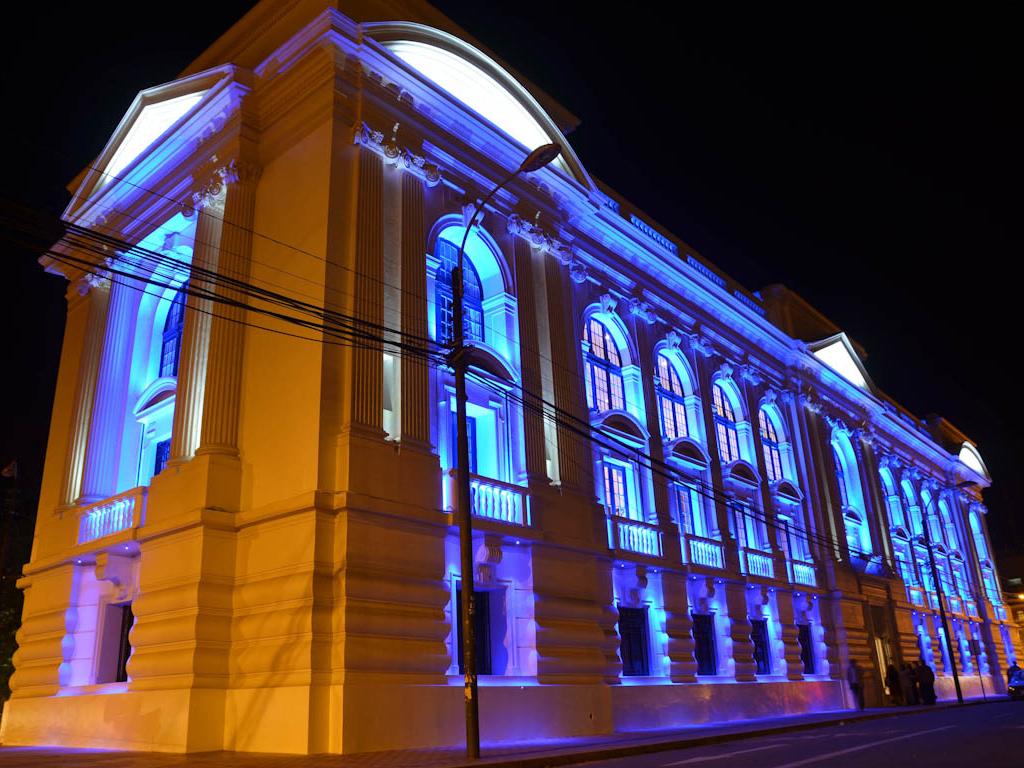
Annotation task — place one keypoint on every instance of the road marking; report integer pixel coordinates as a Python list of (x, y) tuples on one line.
[(838, 752), (723, 755)]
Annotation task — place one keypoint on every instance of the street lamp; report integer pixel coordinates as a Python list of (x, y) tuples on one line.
[(536, 160)]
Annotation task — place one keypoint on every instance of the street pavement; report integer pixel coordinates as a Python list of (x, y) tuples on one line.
[(982, 736), (976, 736)]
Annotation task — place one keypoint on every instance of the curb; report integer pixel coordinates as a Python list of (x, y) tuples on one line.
[(612, 752)]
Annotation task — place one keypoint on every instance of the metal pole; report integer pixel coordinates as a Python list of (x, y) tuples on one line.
[(942, 608), (537, 159), (458, 361)]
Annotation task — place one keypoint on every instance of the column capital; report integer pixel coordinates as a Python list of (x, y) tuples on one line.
[(218, 177)]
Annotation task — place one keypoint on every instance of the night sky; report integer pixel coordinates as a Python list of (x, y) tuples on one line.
[(867, 160)]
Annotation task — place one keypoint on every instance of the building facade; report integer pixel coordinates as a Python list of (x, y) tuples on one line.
[(690, 501)]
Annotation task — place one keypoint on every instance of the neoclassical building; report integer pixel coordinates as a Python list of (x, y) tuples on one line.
[(690, 501)]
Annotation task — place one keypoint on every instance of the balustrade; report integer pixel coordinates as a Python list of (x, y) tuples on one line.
[(492, 499), (758, 563), (634, 536), (706, 552), (118, 513)]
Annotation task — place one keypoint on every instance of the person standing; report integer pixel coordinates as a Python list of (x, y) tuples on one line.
[(892, 682), (926, 679), (855, 677), (907, 686), (1012, 670)]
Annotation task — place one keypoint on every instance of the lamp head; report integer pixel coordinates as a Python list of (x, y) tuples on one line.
[(540, 157)]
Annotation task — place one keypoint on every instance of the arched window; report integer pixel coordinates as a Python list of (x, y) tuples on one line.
[(174, 324), (605, 389), (671, 399), (851, 496), (447, 254), (770, 441), (725, 426)]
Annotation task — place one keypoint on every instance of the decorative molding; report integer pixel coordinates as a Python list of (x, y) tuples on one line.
[(702, 346), (398, 156), (750, 374), (608, 303), (673, 339), (642, 309), (770, 397), (540, 239), (578, 271), (726, 371)]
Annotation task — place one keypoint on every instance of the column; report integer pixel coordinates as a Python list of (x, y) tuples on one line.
[(102, 460), (94, 296), (533, 417), (415, 370), (704, 370), (222, 391), (575, 464), (679, 626), (790, 635), (739, 631), (363, 404), (871, 496), (195, 337)]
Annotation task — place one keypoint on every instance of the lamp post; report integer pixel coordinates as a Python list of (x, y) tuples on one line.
[(536, 160)]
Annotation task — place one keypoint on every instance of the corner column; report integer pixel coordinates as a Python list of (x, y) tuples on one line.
[(93, 298)]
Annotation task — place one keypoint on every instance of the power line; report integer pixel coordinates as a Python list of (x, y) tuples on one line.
[(545, 409)]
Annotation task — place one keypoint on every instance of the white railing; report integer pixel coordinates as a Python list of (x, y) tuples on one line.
[(915, 595), (118, 513), (803, 573), (495, 500), (706, 552), (634, 536), (759, 564)]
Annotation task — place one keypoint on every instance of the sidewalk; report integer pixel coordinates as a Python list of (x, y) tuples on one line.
[(507, 755)]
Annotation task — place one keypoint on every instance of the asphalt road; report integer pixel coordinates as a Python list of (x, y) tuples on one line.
[(981, 736)]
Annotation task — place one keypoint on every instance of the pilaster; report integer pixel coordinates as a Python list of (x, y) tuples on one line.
[(679, 626), (533, 416), (739, 631), (790, 635), (195, 337), (415, 373), (222, 391), (95, 295)]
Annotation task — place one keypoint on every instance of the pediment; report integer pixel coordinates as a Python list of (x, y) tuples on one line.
[(838, 354), (135, 149), (688, 452), (479, 83)]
